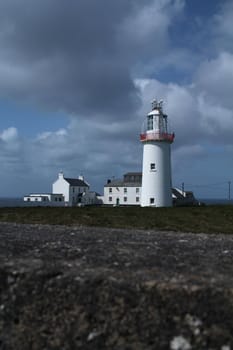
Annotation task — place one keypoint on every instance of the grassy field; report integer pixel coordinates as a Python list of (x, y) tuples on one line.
[(209, 219)]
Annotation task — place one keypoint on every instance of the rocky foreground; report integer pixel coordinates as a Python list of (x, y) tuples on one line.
[(97, 288)]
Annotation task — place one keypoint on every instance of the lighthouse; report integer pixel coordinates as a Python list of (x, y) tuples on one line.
[(156, 169)]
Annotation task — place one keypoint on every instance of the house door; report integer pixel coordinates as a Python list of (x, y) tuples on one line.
[(117, 201)]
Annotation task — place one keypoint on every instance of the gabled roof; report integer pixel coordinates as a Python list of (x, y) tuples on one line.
[(76, 182)]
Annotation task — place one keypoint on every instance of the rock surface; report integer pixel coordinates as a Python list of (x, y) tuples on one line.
[(97, 288)]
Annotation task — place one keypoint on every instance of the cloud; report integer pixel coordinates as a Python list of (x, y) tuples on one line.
[(190, 152), (80, 58), (215, 78), (222, 25), (216, 122), (148, 24), (9, 134), (49, 134), (12, 155), (10, 144), (54, 55)]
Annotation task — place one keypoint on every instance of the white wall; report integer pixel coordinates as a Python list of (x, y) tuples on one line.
[(156, 183), (62, 186), (36, 198), (119, 193)]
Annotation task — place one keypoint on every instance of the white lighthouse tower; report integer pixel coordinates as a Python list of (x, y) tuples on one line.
[(156, 169)]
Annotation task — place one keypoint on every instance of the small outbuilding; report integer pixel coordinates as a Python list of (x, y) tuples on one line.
[(44, 198)]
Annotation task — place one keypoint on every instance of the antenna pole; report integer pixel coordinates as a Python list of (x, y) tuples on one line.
[(183, 188)]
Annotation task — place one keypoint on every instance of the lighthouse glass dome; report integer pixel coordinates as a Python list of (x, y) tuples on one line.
[(155, 127)]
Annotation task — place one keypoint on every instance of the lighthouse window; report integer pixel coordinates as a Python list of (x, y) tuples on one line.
[(152, 166), (150, 122)]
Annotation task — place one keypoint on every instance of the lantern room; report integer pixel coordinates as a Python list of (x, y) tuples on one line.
[(155, 127)]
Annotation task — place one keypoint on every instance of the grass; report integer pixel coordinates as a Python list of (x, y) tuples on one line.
[(209, 219)]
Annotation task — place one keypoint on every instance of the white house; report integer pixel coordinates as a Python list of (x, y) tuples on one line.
[(66, 192), (72, 189), (124, 192), (128, 192)]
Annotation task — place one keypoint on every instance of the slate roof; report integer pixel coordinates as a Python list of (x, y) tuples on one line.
[(121, 183), (134, 173), (76, 182), (131, 179)]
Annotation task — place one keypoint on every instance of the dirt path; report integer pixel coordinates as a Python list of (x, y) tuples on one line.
[(96, 288)]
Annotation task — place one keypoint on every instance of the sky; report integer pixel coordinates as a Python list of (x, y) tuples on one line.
[(77, 79)]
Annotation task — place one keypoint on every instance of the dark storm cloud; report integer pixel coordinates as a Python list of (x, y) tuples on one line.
[(68, 55), (50, 26)]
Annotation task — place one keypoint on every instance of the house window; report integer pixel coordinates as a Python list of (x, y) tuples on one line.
[(125, 190), (73, 189), (152, 200), (125, 199), (110, 189), (28, 199), (110, 199), (137, 199), (137, 190), (152, 167)]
